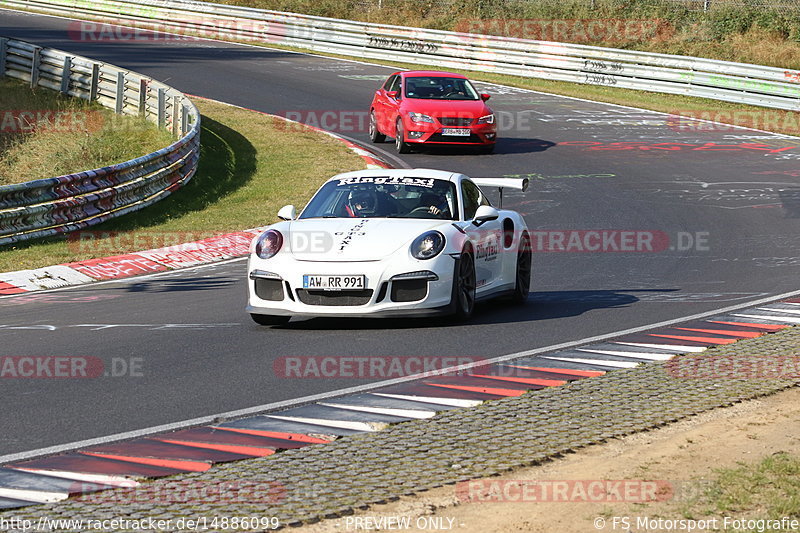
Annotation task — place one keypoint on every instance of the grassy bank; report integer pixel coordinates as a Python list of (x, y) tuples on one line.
[(251, 165), (44, 134)]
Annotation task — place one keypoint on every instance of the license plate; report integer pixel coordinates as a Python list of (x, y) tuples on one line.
[(334, 282), (460, 132)]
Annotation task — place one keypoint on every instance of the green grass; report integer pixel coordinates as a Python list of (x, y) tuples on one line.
[(44, 134), (251, 165), (768, 489)]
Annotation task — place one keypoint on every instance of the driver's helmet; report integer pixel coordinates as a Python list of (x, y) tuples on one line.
[(362, 201)]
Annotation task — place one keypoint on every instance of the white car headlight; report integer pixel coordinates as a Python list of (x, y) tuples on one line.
[(487, 119), (269, 243), (428, 245), (419, 117)]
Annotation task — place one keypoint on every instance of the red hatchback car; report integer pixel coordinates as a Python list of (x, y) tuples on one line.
[(428, 107)]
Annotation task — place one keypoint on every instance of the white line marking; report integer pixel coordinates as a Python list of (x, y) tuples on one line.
[(636, 355), (392, 411), (674, 347), (114, 481), (33, 495), (788, 311), (342, 424), (790, 320), (596, 362), (451, 402)]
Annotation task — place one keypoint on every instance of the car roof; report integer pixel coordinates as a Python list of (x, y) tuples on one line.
[(414, 73), (400, 173)]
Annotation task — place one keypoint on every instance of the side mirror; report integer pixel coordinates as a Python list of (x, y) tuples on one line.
[(393, 94), (287, 212), (485, 96), (485, 213)]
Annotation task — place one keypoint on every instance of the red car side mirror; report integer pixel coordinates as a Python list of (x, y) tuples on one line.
[(485, 96), (393, 94)]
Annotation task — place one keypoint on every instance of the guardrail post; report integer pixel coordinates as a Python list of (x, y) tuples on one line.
[(184, 119), (119, 98), (162, 101), (142, 97), (66, 72), (37, 61), (95, 82), (3, 53), (175, 103)]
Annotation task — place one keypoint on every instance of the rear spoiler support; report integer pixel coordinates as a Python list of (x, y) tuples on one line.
[(520, 184)]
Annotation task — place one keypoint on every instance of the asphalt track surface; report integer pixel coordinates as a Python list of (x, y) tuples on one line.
[(197, 353)]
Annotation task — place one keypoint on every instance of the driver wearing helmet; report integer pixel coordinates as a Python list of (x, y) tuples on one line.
[(361, 203)]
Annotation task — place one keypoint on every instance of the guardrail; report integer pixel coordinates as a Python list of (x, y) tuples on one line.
[(690, 76), (66, 203)]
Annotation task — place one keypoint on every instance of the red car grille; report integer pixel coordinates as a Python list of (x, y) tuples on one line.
[(456, 121)]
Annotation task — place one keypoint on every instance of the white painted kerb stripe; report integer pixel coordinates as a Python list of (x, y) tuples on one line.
[(452, 402), (404, 413), (341, 424), (636, 355), (596, 362), (114, 481), (34, 496)]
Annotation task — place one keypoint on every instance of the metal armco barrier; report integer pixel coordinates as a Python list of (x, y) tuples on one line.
[(66, 203), (690, 76)]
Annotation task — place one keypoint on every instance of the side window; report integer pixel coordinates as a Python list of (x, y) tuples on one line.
[(472, 198), (395, 86), (389, 82)]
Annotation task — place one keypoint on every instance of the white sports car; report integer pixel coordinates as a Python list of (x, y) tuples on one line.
[(390, 242)]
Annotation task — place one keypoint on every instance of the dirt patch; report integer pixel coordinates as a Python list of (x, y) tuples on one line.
[(676, 463)]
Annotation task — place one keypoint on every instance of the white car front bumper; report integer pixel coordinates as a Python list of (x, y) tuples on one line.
[(413, 288)]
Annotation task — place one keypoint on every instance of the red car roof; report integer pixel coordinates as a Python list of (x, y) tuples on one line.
[(409, 73)]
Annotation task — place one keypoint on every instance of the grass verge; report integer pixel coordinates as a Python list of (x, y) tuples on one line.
[(251, 164), (44, 134), (749, 497)]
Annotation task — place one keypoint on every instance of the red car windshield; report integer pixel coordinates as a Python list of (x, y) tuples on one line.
[(440, 88)]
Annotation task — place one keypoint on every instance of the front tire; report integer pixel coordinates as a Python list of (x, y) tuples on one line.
[(524, 269), (270, 320), (464, 286), (402, 146), (374, 134)]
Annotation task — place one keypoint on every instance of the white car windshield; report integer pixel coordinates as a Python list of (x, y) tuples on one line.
[(440, 88), (384, 197)]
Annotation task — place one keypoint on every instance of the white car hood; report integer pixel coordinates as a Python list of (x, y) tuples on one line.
[(353, 239)]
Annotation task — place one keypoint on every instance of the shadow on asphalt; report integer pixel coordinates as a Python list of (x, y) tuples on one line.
[(181, 284), (540, 306), (504, 146)]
